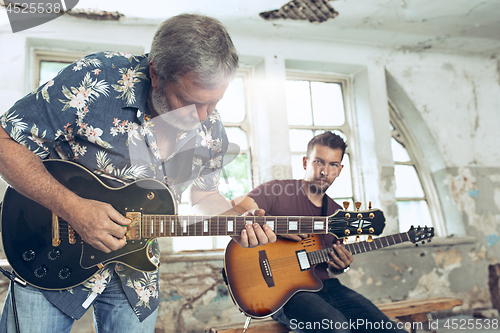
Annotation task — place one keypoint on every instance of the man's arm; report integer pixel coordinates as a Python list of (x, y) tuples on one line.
[(213, 203), (96, 222)]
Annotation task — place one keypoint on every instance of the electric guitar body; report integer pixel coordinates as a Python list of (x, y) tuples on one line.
[(28, 234)]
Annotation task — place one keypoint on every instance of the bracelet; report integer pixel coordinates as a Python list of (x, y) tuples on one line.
[(339, 271)]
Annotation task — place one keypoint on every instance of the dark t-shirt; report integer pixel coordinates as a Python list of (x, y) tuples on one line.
[(287, 198)]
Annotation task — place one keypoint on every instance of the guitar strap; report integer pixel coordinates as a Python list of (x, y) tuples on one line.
[(324, 206)]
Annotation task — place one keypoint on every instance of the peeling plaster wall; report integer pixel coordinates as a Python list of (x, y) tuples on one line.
[(458, 100)]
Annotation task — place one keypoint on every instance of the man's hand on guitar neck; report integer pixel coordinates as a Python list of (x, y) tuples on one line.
[(253, 235), (341, 258)]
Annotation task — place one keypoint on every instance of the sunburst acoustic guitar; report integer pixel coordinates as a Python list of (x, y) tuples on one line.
[(262, 279)]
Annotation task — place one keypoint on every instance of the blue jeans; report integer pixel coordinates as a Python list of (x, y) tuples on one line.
[(112, 313), (335, 308)]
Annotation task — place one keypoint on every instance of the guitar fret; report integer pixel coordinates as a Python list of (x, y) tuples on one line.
[(270, 222), (358, 247), (282, 225), (292, 225), (364, 247)]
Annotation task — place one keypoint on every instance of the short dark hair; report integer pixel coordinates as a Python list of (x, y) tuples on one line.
[(193, 44), (328, 139)]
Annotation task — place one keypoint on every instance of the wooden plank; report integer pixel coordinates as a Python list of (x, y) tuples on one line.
[(256, 326), (411, 307), (414, 310)]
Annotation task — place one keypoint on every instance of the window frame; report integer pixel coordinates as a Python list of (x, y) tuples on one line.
[(348, 128), (49, 56)]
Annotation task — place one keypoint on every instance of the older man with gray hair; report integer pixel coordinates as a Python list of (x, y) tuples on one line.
[(123, 117)]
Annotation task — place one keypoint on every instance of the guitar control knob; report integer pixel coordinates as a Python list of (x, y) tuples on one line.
[(41, 271), (29, 255), (64, 273), (54, 254)]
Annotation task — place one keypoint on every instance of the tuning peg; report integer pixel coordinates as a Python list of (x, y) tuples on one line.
[(359, 231), (369, 205), (370, 239), (371, 231), (358, 205), (346, 205)]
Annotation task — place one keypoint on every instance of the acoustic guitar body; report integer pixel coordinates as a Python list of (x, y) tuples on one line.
[(262, 279)]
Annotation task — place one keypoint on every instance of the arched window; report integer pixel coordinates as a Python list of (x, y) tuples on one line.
[(416, 196)]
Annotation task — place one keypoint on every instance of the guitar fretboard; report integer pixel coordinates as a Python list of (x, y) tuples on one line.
[(176, 226), (320, 256)]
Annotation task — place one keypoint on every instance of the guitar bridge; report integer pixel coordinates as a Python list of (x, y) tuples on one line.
[(134, 228), (265, 268)]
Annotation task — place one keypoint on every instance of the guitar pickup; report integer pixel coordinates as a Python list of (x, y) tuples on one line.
[(134, 228), (303, 260)]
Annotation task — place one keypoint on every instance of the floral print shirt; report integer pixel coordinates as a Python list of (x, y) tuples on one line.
[(95, 113)]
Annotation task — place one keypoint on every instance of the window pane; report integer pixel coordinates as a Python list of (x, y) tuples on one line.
[(342, 186), (238, 136), (298, 103), (407, 182), (232, 106), (399, 153), (414, 213), (49, 69), (299, 139), (327, 104), (297, 168), (235, 176)]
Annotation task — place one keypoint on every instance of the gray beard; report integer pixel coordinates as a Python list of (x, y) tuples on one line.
[(171, 117)]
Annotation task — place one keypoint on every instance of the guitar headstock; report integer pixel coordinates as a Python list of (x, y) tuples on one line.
[(346, 223), (420, 234)]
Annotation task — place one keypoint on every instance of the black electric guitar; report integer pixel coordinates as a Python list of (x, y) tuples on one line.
[(47, 253), (262, 279)]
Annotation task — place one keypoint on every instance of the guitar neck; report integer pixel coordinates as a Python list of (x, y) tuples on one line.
[(320, 256), (177, 226)]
